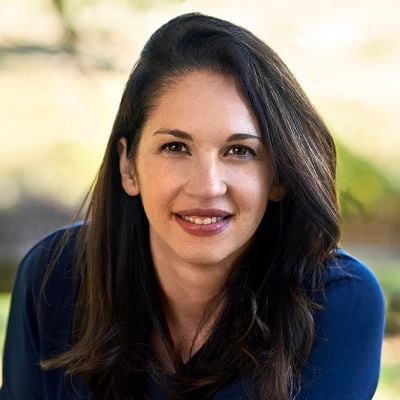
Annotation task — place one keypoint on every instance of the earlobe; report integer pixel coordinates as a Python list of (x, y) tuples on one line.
[(278, 193), (128, 176)]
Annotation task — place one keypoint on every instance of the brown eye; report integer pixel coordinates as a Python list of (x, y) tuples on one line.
[(241, 151), (174, 147)]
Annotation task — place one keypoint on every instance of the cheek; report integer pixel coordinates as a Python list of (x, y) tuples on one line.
[(254, 205), (158, 185), (254, 189)]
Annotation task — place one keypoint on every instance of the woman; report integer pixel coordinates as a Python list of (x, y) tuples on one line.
[(207, 266)]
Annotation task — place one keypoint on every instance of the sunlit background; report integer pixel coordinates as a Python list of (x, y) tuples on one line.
[(63, 66)]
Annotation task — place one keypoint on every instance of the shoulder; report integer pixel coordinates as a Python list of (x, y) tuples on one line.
[(352, 315), (352, 293), (46, 284), (345, 359), (349, 279), (48, 243), (57, 247), (40, 319), (49, 266), (342, 265)]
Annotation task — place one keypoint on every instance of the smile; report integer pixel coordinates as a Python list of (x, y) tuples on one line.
[(202, 220)]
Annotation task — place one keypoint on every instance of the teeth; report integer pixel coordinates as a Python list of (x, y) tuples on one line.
[(202, 221)]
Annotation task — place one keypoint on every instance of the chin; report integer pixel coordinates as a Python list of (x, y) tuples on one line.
[(207, 257), (202, 259)]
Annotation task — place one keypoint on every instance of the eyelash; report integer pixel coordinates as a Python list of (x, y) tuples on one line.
[(250, 152), (167, 148)]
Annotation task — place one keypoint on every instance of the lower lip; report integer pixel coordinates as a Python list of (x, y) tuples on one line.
[(204, 229)]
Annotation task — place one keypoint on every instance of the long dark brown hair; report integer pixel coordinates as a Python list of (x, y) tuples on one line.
[(266, 329)]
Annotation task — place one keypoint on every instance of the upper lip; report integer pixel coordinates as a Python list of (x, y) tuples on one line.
[(203, 212)]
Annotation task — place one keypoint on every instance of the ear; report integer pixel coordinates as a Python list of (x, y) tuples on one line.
[(277, 193), (126, 168)]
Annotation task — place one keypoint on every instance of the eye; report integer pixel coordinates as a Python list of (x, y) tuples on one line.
[(241, 151), (174, 147)]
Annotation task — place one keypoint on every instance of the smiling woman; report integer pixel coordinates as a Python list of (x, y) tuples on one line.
[(208, 264), (220, 170)]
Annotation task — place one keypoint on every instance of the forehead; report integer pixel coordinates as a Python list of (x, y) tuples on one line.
[(202, 101)]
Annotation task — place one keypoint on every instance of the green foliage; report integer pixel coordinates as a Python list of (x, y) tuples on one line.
[(59, 5), (68, 9), (7, 274), (388, 274), (378, 49), (393, 314), (363, 189), (4, 307), (389, 377)]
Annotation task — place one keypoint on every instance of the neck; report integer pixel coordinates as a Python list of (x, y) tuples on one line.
[(187, 291)]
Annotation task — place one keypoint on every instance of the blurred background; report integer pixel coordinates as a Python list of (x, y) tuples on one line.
[(63, 66)]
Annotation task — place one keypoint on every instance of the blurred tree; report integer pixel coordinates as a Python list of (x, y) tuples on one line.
[(71, 35), (67, 10), (363, 189), (393, 314), (147, 4)]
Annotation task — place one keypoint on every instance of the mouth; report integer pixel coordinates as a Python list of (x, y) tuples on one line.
[(203, 222), (204, 216)]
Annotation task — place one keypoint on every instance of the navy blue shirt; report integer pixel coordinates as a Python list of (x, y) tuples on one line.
[(343, 365)]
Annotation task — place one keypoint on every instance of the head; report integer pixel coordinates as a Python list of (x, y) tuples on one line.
[(267, 322), (300, 150)]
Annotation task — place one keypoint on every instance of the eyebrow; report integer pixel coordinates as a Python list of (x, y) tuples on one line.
[(184, 135)]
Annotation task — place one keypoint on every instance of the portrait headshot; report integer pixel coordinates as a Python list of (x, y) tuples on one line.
[(212, 256)]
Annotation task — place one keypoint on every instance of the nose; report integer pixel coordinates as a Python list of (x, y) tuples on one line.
[(206, 179)]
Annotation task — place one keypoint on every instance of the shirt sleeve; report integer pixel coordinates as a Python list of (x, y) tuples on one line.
[(345, 359), (28, 340), (22, 374)]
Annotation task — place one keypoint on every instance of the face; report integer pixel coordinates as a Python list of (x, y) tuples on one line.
[(202, 172)]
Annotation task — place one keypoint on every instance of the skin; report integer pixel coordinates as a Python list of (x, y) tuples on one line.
[(209, 169)]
